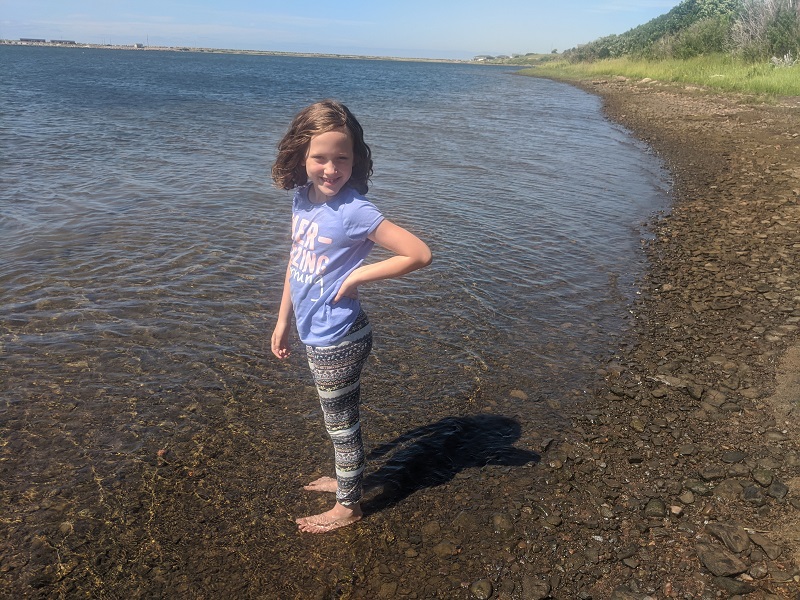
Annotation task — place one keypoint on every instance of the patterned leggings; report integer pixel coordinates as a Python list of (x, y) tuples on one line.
[(337, 375)]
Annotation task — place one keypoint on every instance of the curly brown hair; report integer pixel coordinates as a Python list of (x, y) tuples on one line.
[(321, 117)]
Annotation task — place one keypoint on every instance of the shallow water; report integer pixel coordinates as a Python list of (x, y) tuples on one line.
[(144, 249)]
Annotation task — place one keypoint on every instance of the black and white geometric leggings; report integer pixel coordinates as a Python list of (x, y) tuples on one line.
[(337, 375)]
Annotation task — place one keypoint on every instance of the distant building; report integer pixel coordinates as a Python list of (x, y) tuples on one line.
[(139, 46), (32, 41), (63, 42)]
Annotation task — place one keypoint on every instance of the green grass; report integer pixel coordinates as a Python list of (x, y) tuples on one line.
[(718, 72)]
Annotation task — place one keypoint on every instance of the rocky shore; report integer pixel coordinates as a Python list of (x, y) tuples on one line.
[(687, 463)]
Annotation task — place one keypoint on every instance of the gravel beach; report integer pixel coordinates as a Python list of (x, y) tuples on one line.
[(689, 452)]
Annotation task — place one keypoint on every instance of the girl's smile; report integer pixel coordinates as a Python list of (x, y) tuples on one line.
[(329, 164)]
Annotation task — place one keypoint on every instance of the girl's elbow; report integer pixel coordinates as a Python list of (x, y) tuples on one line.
[(425, 258)]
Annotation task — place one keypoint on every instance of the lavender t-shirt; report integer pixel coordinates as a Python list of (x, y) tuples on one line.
[(329, 241)]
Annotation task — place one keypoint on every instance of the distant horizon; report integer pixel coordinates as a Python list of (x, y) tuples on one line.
[(139, 46), (411, 29)]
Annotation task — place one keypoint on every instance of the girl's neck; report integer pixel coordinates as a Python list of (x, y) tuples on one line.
[(312, 196), (316, 198)]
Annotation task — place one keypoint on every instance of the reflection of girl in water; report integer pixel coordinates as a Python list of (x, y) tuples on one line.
[(324, 158)]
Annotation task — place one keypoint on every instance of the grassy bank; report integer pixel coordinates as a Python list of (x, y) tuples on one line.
[(720, 72)]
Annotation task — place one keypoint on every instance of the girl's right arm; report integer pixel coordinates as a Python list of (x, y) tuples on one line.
[(280, 336)]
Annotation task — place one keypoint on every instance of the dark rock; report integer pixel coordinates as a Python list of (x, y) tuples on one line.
[(733, 586), (733, 456), (770, 549), (730, 489), (754, 495), (712, 473), (777, 489), (534, 589), (717, 560), (733, 536), (656, 508), (762, 477), (624, 593)]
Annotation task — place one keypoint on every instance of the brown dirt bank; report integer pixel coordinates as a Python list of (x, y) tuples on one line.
[(696, 427)]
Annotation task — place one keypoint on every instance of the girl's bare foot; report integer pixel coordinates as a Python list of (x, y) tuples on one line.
[(323, 484), (338, 516)]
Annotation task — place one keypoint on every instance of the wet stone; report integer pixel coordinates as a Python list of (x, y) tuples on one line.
[(502, 523), (481, 589), (445, 549)]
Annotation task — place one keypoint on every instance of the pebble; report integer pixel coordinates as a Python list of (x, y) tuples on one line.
[(445, 549), (482, 589), (656, 508), (762, 477), (733, 456), (502, 523), (534, 589), (778, 489)]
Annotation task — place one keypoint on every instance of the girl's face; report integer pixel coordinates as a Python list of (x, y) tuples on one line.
[(329, 164)]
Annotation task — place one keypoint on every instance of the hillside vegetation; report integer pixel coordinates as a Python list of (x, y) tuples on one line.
[(750, 46), (750, 29)]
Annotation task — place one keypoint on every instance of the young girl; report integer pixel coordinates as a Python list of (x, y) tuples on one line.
[(324, 158)]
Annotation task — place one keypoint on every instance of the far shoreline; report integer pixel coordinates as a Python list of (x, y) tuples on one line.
[(200, 50)]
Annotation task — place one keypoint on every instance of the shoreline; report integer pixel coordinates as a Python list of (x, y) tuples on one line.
[(698, 419), (199, 50)]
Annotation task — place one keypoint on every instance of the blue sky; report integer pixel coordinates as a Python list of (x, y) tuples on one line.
[(404, 28)]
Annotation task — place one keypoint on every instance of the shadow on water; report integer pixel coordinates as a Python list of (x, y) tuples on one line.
[(431, 455)]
